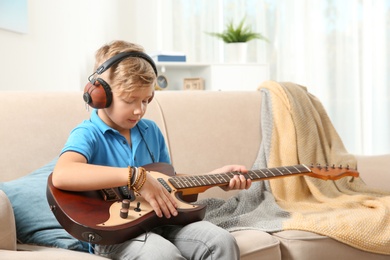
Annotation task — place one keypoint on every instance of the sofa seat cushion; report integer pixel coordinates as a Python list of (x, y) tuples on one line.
[(7, 224), (296, 244), (255, 244), (35, 223), (33, 252)]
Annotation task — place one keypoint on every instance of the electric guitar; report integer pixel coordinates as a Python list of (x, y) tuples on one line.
[(95, 216)]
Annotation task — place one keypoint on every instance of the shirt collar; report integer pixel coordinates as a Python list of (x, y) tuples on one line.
[(103, 127)]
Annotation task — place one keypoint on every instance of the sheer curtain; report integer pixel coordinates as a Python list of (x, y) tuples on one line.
[(338, 49)]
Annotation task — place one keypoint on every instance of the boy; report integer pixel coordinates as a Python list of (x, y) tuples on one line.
[(109, 149)]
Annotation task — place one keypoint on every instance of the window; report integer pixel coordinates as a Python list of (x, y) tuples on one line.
[(338, 49)]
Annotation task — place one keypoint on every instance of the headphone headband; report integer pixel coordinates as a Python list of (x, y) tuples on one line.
[(123, 55)]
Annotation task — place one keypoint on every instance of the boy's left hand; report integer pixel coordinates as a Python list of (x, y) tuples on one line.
[(238, 182)]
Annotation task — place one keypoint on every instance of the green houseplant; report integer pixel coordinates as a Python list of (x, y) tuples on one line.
[(236, 38), (238, 33)]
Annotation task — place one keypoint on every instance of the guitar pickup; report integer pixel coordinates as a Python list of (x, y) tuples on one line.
[(124, 191), (126, 194), (166, 186), (109, 194)]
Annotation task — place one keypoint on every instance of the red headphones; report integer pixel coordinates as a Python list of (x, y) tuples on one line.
[(97, 92)]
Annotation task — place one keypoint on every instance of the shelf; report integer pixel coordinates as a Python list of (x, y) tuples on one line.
[(216, 76), (181, 64)]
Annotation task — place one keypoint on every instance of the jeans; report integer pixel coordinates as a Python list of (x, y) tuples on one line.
[(198, 240)]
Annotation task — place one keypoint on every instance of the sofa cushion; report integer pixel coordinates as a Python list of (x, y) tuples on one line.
[(301, 245), (255, 243), (7, 224), (35, 223), (34, 252)]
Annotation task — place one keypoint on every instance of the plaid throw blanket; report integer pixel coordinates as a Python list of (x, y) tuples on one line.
[(297, 130)]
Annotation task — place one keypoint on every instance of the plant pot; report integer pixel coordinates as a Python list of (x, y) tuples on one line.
[(236, 52)]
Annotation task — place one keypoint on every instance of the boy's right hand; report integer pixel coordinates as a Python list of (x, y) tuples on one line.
[(158, 197)]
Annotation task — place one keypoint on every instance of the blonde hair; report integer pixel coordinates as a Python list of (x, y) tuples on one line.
[(129, 73)]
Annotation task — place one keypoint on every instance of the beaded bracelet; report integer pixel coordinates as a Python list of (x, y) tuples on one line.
[(138, 177), (143, 179), (140, 181), (135, 176), (130, 176)]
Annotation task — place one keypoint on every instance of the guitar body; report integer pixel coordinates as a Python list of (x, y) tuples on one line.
[(88, 217)]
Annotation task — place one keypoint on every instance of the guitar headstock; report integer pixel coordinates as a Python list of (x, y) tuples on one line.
[(331, 172)]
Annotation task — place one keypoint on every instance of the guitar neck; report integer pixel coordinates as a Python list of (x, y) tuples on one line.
[(220, 179)]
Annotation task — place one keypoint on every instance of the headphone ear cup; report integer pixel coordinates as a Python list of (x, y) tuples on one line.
[(98, 95)]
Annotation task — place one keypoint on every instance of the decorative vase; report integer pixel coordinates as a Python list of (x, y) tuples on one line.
[(236, 52)]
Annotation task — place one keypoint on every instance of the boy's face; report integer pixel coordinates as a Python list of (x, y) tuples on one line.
[(126, 110)]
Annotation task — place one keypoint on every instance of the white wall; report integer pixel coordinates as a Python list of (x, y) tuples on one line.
[(57, 53)]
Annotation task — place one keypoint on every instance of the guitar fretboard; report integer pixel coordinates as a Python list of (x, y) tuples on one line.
[(180, 182)]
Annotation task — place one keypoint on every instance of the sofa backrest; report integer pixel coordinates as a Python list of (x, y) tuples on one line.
[(35, 126), (208, 129), (204, 129)]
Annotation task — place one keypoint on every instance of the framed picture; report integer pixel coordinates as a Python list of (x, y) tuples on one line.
[(14, 15), (193, 84)]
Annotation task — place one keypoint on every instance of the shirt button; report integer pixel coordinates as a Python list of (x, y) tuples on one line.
[(124, 142)]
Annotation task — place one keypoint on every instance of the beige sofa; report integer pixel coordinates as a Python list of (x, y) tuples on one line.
[(204, 130)]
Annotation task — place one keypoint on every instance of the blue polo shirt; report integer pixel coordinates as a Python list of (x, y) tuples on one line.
[(103, 145)]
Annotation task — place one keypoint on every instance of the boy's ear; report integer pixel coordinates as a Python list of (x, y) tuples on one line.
[(151, 98)]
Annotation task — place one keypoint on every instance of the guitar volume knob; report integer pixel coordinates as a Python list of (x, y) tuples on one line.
[(124, 213), (125, 204)]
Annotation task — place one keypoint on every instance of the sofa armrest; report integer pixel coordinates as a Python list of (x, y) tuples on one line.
[(375, 170), (7, 224)]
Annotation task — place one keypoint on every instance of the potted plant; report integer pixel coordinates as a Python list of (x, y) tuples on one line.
[(236, 38)]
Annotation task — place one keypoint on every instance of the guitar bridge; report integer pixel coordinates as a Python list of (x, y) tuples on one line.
[(165, 184)]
